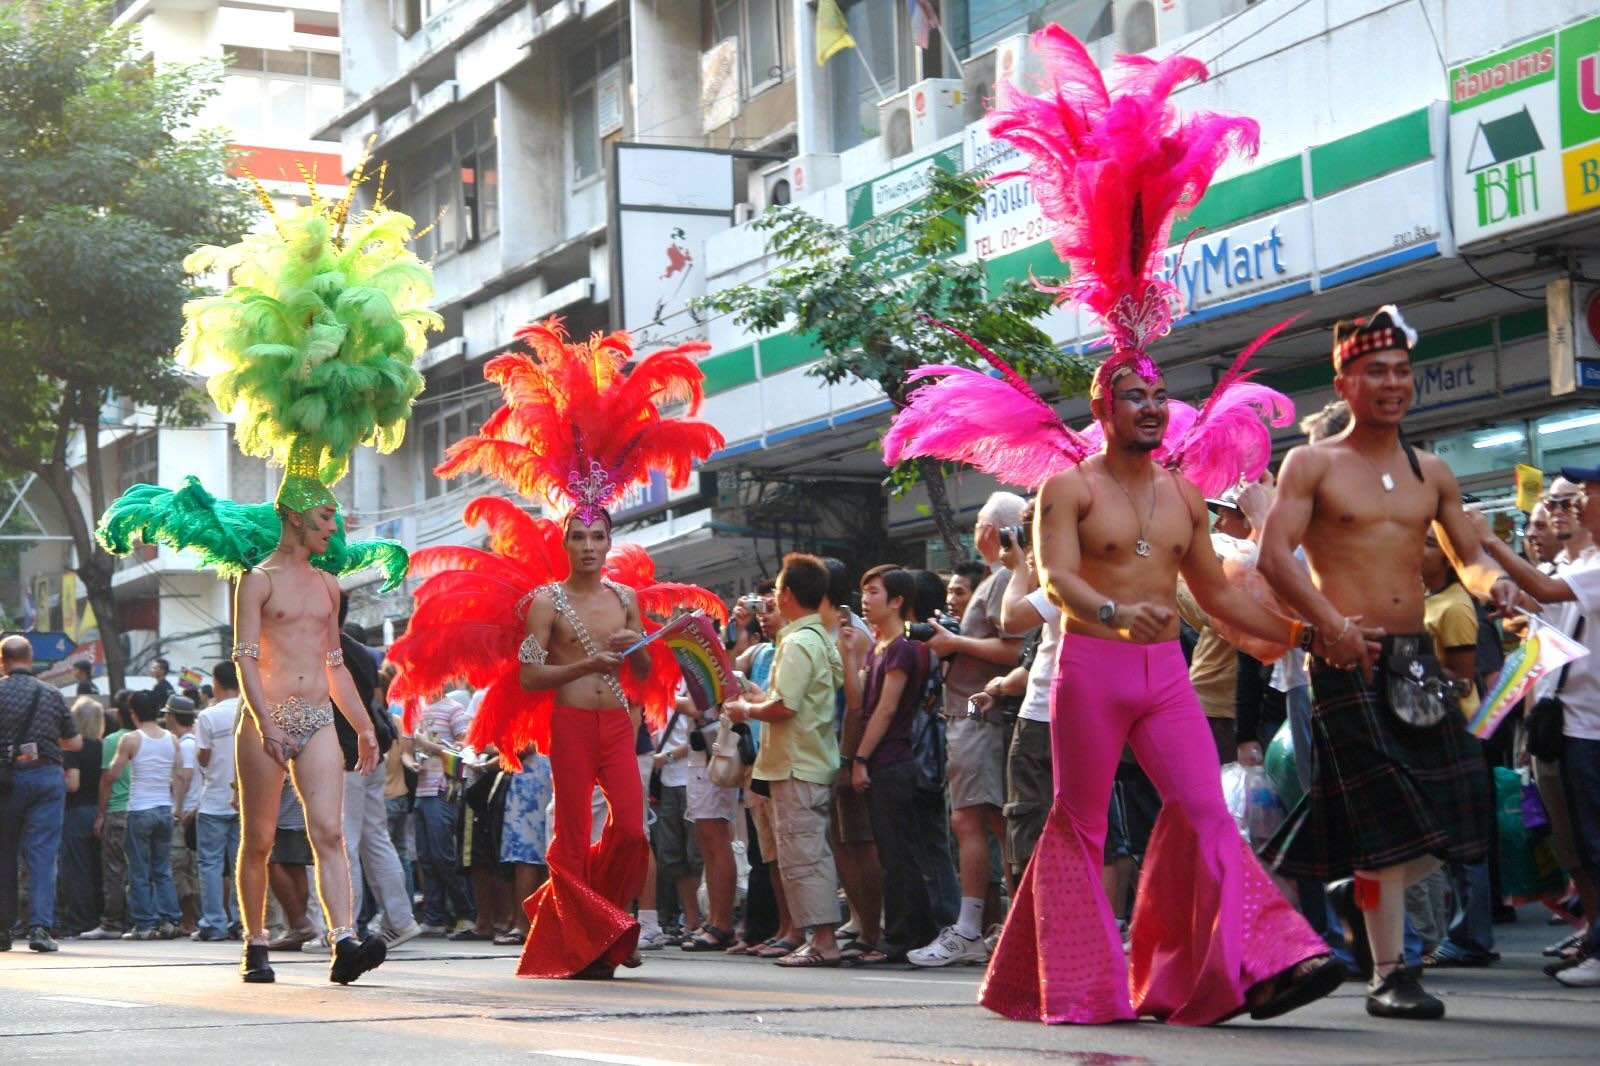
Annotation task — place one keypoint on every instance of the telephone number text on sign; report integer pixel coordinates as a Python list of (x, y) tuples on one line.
[(1011, 238)]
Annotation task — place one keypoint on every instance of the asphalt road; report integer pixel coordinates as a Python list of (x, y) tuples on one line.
[(181, 1002)]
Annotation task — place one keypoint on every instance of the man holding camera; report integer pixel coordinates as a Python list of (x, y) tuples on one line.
[(977, 742)]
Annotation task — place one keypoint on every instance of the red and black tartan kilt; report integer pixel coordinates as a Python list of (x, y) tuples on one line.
[(1381, 793)]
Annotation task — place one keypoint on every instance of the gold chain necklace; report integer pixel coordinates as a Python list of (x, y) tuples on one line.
[(1140, 546)]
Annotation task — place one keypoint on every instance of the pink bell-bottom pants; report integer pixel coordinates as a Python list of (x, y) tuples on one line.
[(1209, 922)]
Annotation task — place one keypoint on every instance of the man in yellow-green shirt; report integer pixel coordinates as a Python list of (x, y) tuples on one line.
[(800, 755)]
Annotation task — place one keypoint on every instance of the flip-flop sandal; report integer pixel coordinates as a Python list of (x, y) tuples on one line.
[(1293, 993), (859, 954), (805, 960), (776, 949), (508, 938), (710, 938)]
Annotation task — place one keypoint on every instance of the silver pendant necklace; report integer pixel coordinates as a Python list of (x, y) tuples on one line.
[(1384, 477), (1142, 545)]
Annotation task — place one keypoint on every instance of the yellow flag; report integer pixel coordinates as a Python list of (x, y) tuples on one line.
[(1530, 482), (833, 32), (69, 605)]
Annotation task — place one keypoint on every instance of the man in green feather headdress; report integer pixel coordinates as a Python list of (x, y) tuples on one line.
[(318, 334)]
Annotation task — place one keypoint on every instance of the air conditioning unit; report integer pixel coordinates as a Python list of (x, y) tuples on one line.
[(800, 177), (1136, 25), (1016, 62), (921, 116)]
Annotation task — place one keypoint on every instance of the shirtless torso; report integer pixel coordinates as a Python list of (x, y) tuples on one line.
[(1362, 512), (555, 618)]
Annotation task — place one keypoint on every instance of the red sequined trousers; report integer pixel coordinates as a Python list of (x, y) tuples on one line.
[(1209, 922), (578, 916)]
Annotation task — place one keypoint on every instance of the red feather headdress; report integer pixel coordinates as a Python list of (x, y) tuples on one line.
[(578, 428)]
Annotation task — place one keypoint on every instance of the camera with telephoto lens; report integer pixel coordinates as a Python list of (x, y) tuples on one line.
[(924, 630), (1021, 536)]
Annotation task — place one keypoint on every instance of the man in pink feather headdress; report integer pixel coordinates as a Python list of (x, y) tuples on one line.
[(1114, 526)]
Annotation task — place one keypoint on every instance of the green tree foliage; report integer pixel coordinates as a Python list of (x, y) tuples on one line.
[(865, 310), (106, 183)]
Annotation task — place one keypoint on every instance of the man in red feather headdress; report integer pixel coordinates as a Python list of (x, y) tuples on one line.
[(576, 432)]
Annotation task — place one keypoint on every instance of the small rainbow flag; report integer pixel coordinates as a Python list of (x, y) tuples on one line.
[(707, 670), (451, 763), (1545, 649), (192, 676)]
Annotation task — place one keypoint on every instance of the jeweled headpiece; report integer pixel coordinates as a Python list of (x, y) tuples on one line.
[(579, 427)]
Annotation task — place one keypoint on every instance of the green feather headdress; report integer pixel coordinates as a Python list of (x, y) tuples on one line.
[(316, 341), (317, 336)]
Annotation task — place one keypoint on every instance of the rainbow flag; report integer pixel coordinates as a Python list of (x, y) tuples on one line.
[(452, 764), (1545, 649), (707, 670), (192, 676)]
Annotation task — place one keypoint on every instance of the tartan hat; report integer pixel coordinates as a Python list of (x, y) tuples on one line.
[(1383, 330)]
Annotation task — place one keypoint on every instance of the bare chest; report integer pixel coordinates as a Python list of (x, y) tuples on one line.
[(1121, 527), (597, 615), (1354, 500), (297, 599)]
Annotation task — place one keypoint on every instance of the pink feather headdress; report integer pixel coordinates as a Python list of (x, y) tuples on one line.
[(1110, 167)]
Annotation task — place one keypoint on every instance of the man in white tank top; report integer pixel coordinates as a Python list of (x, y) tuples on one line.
[(149, 754)]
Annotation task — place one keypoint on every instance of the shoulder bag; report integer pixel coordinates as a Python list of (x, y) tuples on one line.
[(1546, 723)]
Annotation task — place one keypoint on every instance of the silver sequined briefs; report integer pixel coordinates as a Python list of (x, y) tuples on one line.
[(298, 718)]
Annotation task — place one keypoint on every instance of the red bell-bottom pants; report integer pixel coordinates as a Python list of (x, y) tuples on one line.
[(577, 918)]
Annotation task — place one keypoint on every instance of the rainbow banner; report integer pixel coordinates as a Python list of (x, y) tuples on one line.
[(707, 670), (1545, 649)]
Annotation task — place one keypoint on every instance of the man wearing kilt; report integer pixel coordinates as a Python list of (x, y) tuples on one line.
[(1398, 783)]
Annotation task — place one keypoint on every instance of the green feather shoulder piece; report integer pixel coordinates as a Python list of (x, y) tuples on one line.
[(229, 537)]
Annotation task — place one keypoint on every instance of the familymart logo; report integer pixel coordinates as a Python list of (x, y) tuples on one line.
[(1504, 167)]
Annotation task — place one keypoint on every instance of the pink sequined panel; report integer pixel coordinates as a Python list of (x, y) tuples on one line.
[(1059, 958), (1209, 923)]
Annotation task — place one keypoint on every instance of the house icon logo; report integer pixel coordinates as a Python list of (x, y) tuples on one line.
[(1503, 139), (1504, 170)]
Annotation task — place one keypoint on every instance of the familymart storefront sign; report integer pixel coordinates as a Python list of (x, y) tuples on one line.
[(1525, 133)]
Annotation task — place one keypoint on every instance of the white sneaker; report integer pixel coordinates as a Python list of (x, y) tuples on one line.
[(316, 946), (425, 929), (100, 932), (1584, 975), (652, 939), (393, 938), (950, 948)]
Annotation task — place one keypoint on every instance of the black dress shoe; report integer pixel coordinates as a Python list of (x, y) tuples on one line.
[(5, 943), (254, 967), (1400, 995), (352, 958), (1342, 897)]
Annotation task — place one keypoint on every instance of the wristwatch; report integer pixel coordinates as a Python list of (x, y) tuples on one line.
[(1308, 636), (863, 759), (1107, 611)]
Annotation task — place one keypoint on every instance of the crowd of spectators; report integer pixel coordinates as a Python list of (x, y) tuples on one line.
[(902, 775)]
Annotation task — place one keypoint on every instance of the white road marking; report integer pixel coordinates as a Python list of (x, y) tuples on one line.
[(600, 1056), (905, 980), (93, 1002)]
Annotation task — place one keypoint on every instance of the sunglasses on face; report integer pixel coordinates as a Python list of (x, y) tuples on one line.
[(1563, 503)]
